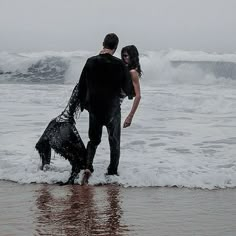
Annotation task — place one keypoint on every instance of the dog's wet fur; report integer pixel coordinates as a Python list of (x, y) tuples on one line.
[(65, 140)]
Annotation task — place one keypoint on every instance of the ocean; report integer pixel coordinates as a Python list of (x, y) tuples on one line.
[(183, 134)]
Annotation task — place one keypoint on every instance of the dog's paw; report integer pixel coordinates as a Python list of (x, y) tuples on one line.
[(45, 167), (60, 183)]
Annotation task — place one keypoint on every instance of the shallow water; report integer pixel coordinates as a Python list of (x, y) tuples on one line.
[(183, 133), (113, 210), (179, 136)]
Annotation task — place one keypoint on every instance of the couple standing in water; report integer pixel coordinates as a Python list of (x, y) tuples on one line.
[(105, 79), (104, 82)]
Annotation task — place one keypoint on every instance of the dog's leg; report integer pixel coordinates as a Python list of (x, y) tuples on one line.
[(44, 150), (74, 172), (43, 146), (46, 157), (72, 148)]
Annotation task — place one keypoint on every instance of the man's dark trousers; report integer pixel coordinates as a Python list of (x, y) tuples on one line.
[(113, 125)]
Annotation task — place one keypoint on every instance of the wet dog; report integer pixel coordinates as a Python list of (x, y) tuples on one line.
[(65, 140)]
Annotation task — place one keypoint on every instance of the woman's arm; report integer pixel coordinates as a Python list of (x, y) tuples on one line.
[(136, 84)]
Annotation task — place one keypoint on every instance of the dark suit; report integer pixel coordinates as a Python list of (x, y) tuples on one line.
[(102, 80)]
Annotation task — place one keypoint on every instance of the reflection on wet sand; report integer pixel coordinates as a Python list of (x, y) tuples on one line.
[(113, 212), (79, 210)]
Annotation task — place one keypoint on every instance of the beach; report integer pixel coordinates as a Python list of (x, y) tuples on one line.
[(177, 159), (43, 209)]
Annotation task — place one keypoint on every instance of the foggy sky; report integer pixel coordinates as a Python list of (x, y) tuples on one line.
[(67, 25)]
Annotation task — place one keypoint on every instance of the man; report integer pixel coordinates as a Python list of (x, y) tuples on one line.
[(102, 80)]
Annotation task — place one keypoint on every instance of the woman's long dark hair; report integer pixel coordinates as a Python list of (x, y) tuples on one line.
[(133, 53)]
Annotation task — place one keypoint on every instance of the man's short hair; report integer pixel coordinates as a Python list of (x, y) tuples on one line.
[(111, 41)]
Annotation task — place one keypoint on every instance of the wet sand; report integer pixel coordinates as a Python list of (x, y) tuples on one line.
[(36, 209)]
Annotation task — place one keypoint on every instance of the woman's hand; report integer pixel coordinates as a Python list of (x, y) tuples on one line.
[(128, 121)]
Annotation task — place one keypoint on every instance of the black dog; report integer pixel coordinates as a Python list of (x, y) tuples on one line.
[(64, 139), (62, 136)]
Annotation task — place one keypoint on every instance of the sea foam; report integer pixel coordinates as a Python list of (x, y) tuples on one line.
[(182, 135)]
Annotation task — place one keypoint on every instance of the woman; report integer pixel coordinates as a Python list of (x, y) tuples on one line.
[(130, 57)]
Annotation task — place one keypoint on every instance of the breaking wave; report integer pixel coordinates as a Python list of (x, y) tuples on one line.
[(161, 66)]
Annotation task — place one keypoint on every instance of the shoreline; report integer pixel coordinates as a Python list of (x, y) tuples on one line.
[(119, 185)]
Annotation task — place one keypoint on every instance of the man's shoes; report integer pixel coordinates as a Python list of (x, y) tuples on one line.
[(87, 174)]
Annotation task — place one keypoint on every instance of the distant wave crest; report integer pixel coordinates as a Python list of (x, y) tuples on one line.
[(65, 67), (50, 69)]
